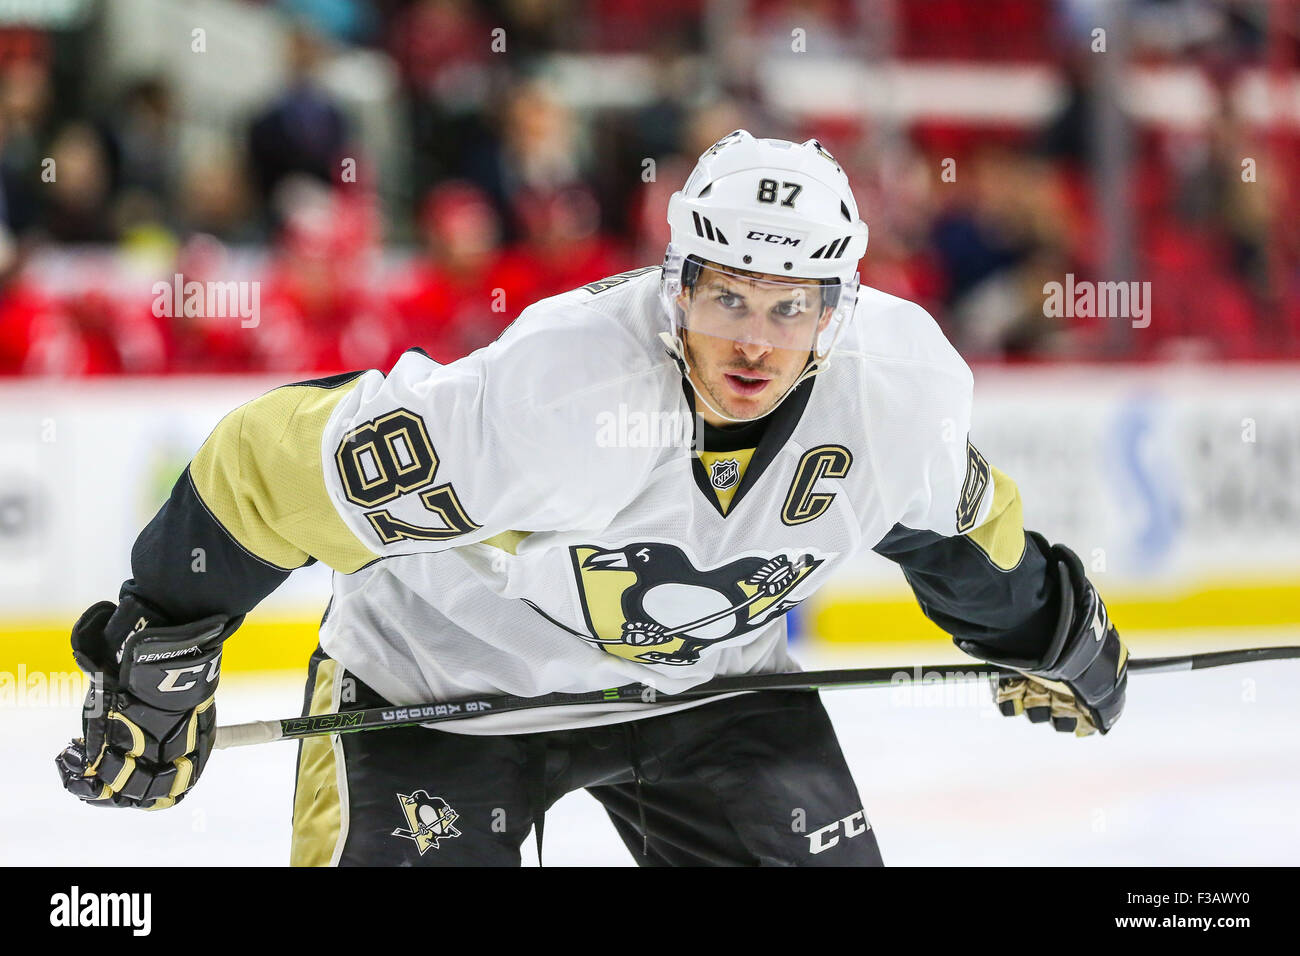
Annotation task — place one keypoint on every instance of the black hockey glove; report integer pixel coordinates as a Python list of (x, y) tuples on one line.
[(149, 714), (1081, 680)]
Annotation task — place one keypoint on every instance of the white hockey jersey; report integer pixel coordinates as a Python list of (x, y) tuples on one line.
[(533, 517), (554, 515)]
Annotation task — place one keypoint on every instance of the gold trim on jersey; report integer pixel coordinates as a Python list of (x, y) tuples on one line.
[(260, 475), (319, 820), (1002, 535), (507, 541)]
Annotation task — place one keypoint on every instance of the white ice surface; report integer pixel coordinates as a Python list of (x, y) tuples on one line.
[(1204, 769)]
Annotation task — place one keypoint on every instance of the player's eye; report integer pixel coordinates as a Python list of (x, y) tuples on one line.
[(729, 300), (789, 309)]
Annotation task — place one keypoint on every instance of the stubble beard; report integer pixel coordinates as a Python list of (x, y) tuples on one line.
[(719, 405)]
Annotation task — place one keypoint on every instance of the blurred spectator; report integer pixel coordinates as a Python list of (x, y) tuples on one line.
[(319, 310), (459, 295), (215, 197), (652, 132), (656, 128), (1209, 190), (710, 123), (442, 50), (538, 151), (203, 343), (86, 332), (144, 129), (77, 200), (649, 202), (532, 188), (303, 131), (24, 101), (627, 25), (562, 245), (997, 240), (898, 194), (343, 21), (537, 27), (23, 307), (1068, 134)]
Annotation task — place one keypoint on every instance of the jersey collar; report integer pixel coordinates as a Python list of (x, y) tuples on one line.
[(766, 435)]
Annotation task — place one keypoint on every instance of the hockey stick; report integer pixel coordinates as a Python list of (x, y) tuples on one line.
[(378, 718)]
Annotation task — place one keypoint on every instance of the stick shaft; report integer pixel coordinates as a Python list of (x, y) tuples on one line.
[(378, 718)]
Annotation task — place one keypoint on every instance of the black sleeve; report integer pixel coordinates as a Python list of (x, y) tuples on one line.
[(1013, 612), (251, 507), (186, 566)]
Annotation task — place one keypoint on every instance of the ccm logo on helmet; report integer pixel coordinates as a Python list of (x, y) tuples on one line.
[(772, 237)]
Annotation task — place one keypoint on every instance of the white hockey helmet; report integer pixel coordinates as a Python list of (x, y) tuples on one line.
[(766, 206)]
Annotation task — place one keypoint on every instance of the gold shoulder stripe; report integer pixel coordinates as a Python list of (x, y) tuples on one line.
[(507, 541), (1002, 535), (260, 475)]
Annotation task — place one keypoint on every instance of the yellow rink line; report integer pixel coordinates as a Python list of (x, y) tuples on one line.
[(842, 619), (265, 644), (851, 618)]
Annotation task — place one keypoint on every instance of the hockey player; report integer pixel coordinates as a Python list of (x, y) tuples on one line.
[(525, 520)]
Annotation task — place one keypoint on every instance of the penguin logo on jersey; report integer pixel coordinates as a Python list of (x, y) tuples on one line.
[(430, 819), (648, 602), (724, 473)]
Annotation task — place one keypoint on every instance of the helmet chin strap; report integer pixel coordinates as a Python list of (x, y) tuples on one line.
[(677, 351)]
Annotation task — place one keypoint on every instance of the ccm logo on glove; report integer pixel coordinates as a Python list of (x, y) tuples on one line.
[(168, 683)]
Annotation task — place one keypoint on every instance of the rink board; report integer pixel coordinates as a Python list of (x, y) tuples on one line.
[(1178, 486)]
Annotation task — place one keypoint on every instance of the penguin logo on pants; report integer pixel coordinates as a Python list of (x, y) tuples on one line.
[(647, 602), (430, 819)]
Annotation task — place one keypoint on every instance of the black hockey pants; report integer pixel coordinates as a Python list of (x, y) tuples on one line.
[(756, 779)]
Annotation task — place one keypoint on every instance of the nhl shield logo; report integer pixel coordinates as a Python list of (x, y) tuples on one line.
[(724, 473), (430, 819)]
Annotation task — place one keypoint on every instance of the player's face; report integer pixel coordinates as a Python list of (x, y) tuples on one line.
[(747, 338)]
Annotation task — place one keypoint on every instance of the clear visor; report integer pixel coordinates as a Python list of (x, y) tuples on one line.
[(758, 313), (750, 337), (788, 316)]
